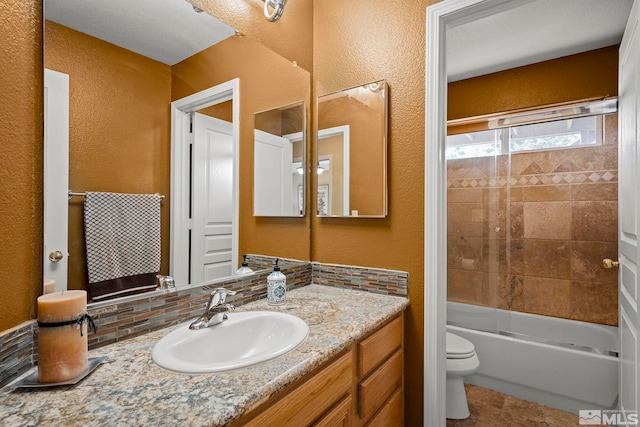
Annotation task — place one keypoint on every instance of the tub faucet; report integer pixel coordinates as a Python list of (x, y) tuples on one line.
[(215, 311)]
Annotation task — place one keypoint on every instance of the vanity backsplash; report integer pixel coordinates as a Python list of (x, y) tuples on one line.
[(141, 314)]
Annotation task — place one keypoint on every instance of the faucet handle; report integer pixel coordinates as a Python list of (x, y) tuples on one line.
[(219, 295)]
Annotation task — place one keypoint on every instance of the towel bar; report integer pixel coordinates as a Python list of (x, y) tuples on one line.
[(73, 194)]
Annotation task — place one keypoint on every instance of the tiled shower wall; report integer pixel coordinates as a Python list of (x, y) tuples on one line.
[(532, 238)]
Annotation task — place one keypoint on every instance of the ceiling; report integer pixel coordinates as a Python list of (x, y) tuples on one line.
[(168, 31), (536, 31)]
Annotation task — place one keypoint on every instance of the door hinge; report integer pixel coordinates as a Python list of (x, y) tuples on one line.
[(191, 117)]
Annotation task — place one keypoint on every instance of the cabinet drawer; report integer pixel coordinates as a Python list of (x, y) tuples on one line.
[(392, 413), (377, 347), (312, 398), (377, 387), (338, 416)]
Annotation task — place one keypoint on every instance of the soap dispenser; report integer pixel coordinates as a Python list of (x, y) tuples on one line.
[(276, 286), (244, 268)]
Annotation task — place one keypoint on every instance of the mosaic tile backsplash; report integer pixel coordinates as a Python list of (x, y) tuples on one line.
[(388, 282), (528, 233), (141, 314), (17, 352)]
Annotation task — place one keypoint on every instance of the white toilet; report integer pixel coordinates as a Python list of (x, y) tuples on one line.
[(461, 361)]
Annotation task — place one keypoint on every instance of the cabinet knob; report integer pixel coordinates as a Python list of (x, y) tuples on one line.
[(55, 256), (607, 263)]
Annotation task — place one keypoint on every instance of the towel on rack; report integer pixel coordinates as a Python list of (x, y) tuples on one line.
[(122, 234)]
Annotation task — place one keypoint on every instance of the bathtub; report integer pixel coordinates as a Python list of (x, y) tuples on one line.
[(564, 364)]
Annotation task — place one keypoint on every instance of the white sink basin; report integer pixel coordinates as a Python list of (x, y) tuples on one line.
[(246, 338)]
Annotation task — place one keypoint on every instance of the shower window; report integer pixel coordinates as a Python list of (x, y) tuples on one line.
[(474, 144), (569, 133)]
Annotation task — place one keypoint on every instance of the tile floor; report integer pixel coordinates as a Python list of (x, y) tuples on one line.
[(492, 409)]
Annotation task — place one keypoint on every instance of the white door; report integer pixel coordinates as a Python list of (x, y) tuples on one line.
[(629, 87), (273, 176), (56, 177), (213, 229)]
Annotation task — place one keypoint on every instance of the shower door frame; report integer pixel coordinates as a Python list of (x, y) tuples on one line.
[(440, 17)]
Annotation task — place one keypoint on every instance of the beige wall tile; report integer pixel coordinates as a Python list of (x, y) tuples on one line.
[(547, 258), (586, 261), (465, 219), (547, 220), (604, 157), (517, 220), (509, 292), (464, 253), (549, 297), (490, 255), (464, 286), (594, 302), (594, 191), (504, 256), (594, 221), (547, 193), (611, 130), (464, 195), (490, 289)]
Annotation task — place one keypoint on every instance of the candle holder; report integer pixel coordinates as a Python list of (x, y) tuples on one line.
[(31, 380)]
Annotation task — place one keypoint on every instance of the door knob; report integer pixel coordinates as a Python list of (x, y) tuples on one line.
[(55, 256), (607, 263)]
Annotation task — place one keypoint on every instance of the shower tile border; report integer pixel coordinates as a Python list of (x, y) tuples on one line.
[(565, 178)]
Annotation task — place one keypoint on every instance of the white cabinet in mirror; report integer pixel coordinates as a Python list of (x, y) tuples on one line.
[(352, 152)]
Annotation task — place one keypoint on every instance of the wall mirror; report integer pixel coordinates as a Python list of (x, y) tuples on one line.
[(352, 152), (279, 161), (119, 98)]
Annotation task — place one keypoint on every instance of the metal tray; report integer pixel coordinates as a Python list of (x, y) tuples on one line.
[(31, 380)]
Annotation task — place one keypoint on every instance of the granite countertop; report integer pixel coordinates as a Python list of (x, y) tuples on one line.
[(130, 389)]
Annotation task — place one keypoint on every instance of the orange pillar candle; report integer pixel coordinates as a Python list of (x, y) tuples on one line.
[(49, 286), (62, 350)]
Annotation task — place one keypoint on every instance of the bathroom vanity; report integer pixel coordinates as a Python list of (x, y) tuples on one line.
[(349, 371)]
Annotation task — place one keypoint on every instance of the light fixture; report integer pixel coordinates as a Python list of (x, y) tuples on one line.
[(319, 169), (277, 7)]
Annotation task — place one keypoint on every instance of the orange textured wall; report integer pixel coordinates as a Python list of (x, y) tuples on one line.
[(357, 42), (118, 128), (21, 130), (582, 76), (291, 36), (267, 81)]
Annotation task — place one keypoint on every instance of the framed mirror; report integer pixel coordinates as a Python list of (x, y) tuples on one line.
[(352, 152), (119, 103), (279, 161)]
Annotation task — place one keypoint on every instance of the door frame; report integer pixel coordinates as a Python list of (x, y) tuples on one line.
[(56, 176), (440, 17), (343, 130), (180, 222)]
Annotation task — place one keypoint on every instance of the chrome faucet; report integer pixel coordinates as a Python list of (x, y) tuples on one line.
[(215, 311)]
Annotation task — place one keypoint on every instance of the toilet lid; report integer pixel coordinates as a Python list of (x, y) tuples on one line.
[(458, 347)]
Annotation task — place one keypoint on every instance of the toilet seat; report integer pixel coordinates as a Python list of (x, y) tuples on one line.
[(458, 347)]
